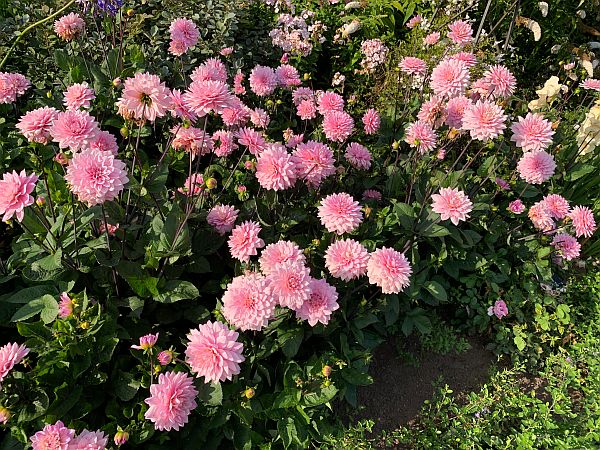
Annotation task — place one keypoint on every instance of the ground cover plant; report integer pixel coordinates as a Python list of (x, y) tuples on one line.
[(204, 239)]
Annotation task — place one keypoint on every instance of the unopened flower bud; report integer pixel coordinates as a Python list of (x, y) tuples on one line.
[(211, 183), (306, 76), (165, 357), (121, 437), (130, 12), (395, 145), (117, 82), (241, 189), (124, 132), (84, 325), (4, 415), (326, 371), (49, 94), (40, 201), (250, 165), (61, 158), (249, 393)]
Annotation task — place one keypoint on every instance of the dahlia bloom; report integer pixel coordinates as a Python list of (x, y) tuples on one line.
[(65, 306), (275, 169), (431, 38), (536, 167), (279, 253), (213, 352), (193, 185), (330, 101), (204, 97), (10, 356), (389, 269), (146, 342), (340, 213), (414, 21), (69, 27), (532, 132), (583, 221), (346, 259), (165, 357), (89, 440), (566, 246), (222, 218), (289, 283), (484, 120), (96, 176), (502, 184), (244, 241), (4, 415), (371, 194), (501, 82), (248, 303), (12, 85), (539, 216), (78, 95), (302, 93), (287, 76), (467, 58), (105, 142), (498, 309), (313, 162), (263, 81), (452, 204), (145, 96), (455, 109), (212, 69), (171, 401), (179, 108), (358, 156), (252, 139), (338, 126), (53, 437), (320, 305), (306, 110), (421, 136), (449, 78), (413, 66), (74, 129), (224, 143), (461, 32), (185, 34), (591, 84), (516, 206), (557, 206), (238, 86), (15, 194), (192, 139), (226, 51), (259, 118)]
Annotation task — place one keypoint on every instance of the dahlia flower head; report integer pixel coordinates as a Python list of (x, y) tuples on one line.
[(389, 269), (583, 221), (95, 176), (193, 185), (461, 32), (259, 118), (10, 356), (467, 58), (287, 76), (421, 136), (192, 139), (222, 218), (500, 81), (540, 217), (557, 206), (455, 110), (275, 168), (248, 303), (263, 80), (453, 204), (74, 129), (413, 66), (78, 95), (56, 436), (12, 85), (414, 21), (371, 194), (516, 206), (591, 84), (328, 102), (536, 167), (69, 27), (532, 132), (431, 38), (89, 440), (498, 309), (184, 35), (303, 93), (484, 120), (179, 108), (224, 143), (320, 305), (358, 156), (340, 213), (244, 241), (235, 113), (566, 246), (306, 110), (146, 342), (213, 352), (433, 111), (204, 97), (346, 259), (338, 125), (15, 194), (65, 306), (238, 84), (252, 139), (144, 96), (278, 253), (213, 69), (313, 162), (289, 283), (449, 78), (171, 401)]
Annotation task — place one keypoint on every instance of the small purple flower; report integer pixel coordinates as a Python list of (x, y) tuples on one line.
[(503, 184), (499, 309)]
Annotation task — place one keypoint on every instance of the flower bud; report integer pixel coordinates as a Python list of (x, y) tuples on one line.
[(40, 201), (84, 325), (250, 165), (306, 76), (121, 437), (241, 189), (211, 183), (165, 357), (124, 132), (395, 145), (4, 415), (249, 393), (49, 94), (130, 12), (117, 82), (61, 158), (326, 371)]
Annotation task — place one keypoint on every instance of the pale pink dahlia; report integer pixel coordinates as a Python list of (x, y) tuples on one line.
[(105, 142), (433, 111), (467, 58), (10, 356), (12, 85), (35, 125), (213, 352), (145, 96), (532, 132), (193, 185), (452, 204), (413, 66), (583, 221), (185, 34), (338, 126), (289, 283), (171, 401), (259, 118), (65, 306), (389, 269), (303, 93), (330, 101), (279, 253), (287, 76), (192, 139), (244, 241), (461, 32), (146, 342), (321, 304), (52, 437), (346, 259), (591, 84), (414, 21), (501, 82), (78, 95), (484, 120), (449, 78), (69, 27), (340, 213), (431, 38), (252, 139), (421, 136), (536, 167), (313, 162), (306, 110), (226, 51), (248, 303), (557, 206), (204, 97), (263, 81), (566, 246), (224, 143), (179, 108), (275, 169), (74, 129), (222, 218), (96, 176), (238, 84), (89, 440), (516, 206), (358, 156), (455, 109), (212, 69), (539, 216), (15, 194)]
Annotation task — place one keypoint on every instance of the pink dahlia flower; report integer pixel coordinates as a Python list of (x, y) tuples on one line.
[(35, 125), (516, 206), (224, 143), (146, 342), (96, 176), (222, 218), (193, 185), (248, 303), (502, 184), (12, 85), (4, 415), (53, 437), (461, 32), (15, 194), (238, 84), (289, 283), (179, 108), (421, 136), (226, 51), (501, 82), (467, 58), (65, 306), (320, 305), (449, 78), (89, 440), (498, 309), (340, 213), (213, 352), (338, 126), (303, 93), (306, 110), (145, 96), (583, 221), (287, 76), (539, 216), (185, 34), (414, 21), (566, 246), (389, 269), (330, 101), (74, 129), (433, 111), (171, 401), (252, 139), (279, 253), (557, 206), (455, 109), (105, 142), (532, 132), (244, 241), (10, 356), (263, 81), (275, 169), (78, 95), (591, 84), (313, 162), (204, 97), (371, 194), (69, 27), (536, 167), (452, 204), (212, 69), (484, 120), (413, 66), (346, 259), (358, 156), (192, 139), (259, 118), (164, 358)]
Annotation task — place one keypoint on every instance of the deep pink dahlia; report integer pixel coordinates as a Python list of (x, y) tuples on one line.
[(252, 139), (193, 185), (224, 143), (346, 259), (15, 194), (452, 204), (248, 303), (484, 120), (320, 305), (536, 167), (275, 169), (244, 241), (389, 269), (171, 401), (185, 33), (306, 110), (287, 76), (340, 213), (313, 162), (498, 309), (516, 206), (12, 85), (532, 132)]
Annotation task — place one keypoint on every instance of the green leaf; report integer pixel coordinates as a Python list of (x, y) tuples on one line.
[(437, 290), (50, 310), (62, 60), (356, 377), (31, 293), (321, 396), (31, 309), (287, 399), (392, 309), (519, 342), (290, 341), (176, 290), (435, 231), (156, 183), (210, 393), (125, 386)]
